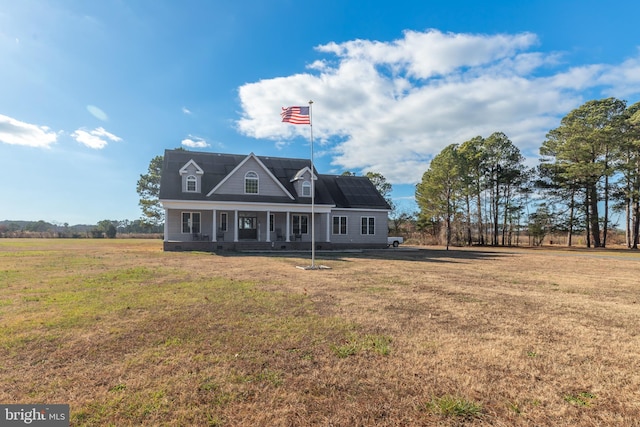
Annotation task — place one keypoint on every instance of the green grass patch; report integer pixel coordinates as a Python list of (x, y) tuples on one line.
[(454, 406), (580, 399), (378, 344)]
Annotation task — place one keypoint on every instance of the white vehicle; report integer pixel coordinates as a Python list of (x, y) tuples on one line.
[(394, 241)]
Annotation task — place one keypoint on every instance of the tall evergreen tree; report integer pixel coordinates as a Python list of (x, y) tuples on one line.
[(629, 167), (472, 158), (439, 193), (148, 187), (581, 151), (503, 165)]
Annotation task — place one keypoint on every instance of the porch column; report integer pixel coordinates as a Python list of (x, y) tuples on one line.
[(166, 225), (288, 231), (214, 230), (235, 227), (328, 226), (268, 230)]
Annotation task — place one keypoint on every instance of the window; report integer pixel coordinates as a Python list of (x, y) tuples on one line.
[(306, 189), (300, 224), (272, 227), (191, 222), (223, 221), (339, 225), (368, 225), (192, 184), (251, 183)]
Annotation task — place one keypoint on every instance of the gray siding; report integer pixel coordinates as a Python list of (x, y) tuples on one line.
[(266, 185), (354, 230), (191, 170), (298, 183), (174, 222), (352, 197)]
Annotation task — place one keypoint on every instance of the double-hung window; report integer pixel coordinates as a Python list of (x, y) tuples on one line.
[(192, 184), (339, 225), (191, 222), (300, 224), (368, 225), (251, 183), (306, 189)]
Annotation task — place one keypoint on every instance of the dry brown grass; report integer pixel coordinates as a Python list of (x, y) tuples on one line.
[(129, 335)]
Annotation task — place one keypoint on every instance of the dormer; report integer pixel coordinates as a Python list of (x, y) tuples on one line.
[(302, 182), (251, 178), (191, 175)]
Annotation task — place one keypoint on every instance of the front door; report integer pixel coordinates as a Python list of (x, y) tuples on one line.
[(248, 228)]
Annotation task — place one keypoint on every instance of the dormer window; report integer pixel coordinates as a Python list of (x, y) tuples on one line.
[(192, 184), (306, 189), (302, 182), (251, 183), (191, 175)]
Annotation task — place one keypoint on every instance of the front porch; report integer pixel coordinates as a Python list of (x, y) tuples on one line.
[(198, 227), (238, 229)]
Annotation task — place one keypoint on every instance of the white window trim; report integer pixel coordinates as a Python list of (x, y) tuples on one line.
[(254, 176), (194, 179), (306, 189), (368, 233), (299, 223), (190, 221), (346, 225)]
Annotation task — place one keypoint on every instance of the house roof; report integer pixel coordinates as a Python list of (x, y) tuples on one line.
[(340, 191)]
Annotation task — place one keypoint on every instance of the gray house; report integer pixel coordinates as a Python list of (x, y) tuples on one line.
[(246, 202)]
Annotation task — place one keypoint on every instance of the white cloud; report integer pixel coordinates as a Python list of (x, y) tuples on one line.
[(185, 110), (194, 142), (97, 138), (15, 132), (390, 107), (623, 80), (431, 53)]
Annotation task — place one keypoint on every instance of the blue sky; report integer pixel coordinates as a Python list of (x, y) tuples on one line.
[(90, 91)]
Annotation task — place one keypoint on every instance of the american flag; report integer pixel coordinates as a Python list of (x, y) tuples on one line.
[(296, 115)]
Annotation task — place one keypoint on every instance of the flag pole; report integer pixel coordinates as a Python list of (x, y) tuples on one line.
[(313, 196)]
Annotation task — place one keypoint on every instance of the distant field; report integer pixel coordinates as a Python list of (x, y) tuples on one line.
[(129, 335)]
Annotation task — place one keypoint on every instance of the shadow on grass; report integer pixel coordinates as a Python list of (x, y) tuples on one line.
[(429, 255), (397, 254)]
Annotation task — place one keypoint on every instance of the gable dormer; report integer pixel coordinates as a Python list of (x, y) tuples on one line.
[(249, 178), (302, 182), (191, 175)]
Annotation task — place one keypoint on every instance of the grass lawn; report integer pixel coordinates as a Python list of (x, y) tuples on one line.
[(129, 335)]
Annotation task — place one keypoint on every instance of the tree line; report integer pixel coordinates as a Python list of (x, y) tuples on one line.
[(105, 228), (481, 192)]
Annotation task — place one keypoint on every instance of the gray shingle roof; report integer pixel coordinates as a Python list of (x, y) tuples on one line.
[(338, 190)]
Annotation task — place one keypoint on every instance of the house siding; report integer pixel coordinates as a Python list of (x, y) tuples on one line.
[(353, 238), (191, 170), (298, 183), (278, 195), (354, 235), (174, 222), (266, 185)]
